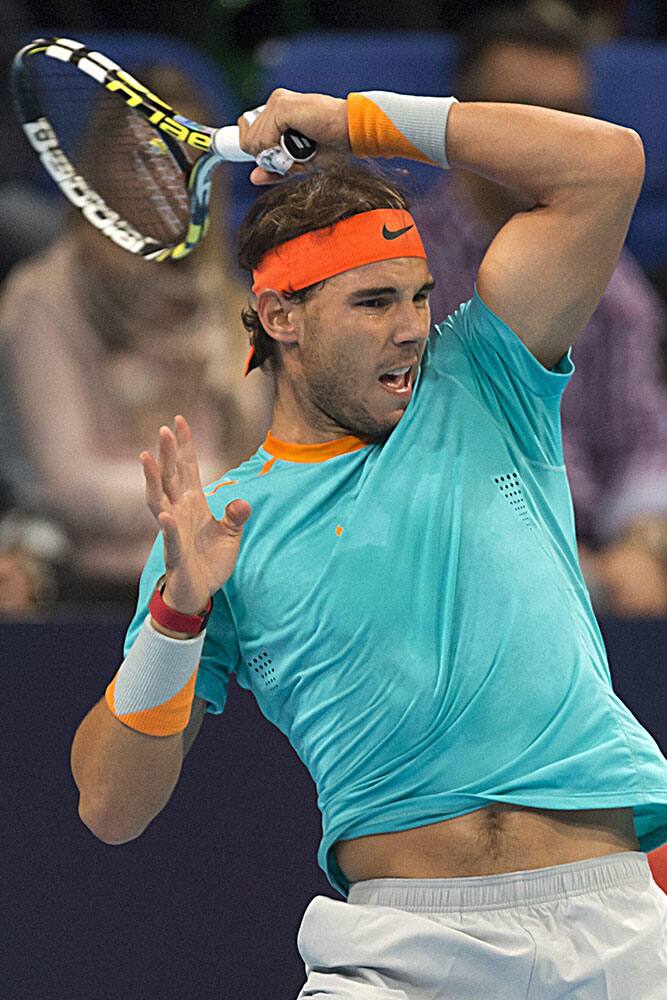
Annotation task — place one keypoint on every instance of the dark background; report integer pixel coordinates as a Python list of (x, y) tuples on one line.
[(207, 903)]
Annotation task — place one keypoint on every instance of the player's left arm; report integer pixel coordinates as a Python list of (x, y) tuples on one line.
[(547, 268)]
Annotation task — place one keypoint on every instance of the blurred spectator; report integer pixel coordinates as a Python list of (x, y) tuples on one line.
[(602, 18), (30, 551), (29, 219), (615, 408), (101, 349)]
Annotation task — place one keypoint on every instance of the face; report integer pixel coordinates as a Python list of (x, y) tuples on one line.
[(358, 327), (521, 74)]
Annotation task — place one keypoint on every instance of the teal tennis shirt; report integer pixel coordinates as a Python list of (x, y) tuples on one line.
[(412, 615)]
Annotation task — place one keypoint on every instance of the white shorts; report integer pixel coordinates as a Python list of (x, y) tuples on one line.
[(594, 930)]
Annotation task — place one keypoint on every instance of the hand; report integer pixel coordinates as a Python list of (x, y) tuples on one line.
[(317, 116), (199, 552)]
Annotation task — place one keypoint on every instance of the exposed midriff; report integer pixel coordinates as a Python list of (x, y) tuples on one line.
[(493, 840)]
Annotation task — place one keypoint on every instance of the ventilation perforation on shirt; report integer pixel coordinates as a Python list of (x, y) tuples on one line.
[(262, 665), (509, 485)]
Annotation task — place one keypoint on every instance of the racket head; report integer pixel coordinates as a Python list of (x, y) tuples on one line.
[(136, 170)]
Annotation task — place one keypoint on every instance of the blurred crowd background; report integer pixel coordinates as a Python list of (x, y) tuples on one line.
[(93, 358)]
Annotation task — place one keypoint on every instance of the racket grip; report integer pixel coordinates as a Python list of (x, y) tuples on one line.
[(297, 145), (225, 142), (294, 147)]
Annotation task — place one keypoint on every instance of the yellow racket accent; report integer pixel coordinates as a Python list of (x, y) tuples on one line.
[(129, 79)]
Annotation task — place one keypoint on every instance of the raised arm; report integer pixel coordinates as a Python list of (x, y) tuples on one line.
[(547, 268)]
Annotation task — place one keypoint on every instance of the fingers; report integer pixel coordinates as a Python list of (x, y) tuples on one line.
[(261, 177), (259, 134), (187, 463), (175, 471), (258, 130), (154, 492), (167, 463), (172, 539), (318, 116), (237, 513), (156, 499)]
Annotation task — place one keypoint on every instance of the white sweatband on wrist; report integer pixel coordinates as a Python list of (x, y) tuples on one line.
[(154, 688), (384, 124)]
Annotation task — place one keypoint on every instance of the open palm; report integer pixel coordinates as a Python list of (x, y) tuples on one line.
[(199, 552)]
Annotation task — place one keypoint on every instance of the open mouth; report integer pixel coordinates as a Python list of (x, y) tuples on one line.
[(397, 381)]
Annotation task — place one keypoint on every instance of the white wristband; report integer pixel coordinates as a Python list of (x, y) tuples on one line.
[(156, 668)]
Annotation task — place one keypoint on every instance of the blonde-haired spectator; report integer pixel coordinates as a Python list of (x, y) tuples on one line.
[(31, 551)]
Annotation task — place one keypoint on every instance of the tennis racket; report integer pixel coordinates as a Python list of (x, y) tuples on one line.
[(136, 169)]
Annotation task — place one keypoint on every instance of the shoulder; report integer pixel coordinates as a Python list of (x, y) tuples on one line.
[(477, 338), (247, 477)]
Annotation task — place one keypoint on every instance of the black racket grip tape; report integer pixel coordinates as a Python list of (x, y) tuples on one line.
[(299, 146)]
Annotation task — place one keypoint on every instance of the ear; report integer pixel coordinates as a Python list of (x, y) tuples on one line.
[(277, 315)]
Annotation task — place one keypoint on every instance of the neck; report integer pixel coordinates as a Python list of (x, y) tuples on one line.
[(297, 420)]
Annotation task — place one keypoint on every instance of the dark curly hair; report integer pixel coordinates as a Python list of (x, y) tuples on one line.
[(300, 205)]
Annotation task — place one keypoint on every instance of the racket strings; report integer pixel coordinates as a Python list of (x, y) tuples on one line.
[(121, 157), (157, 177)]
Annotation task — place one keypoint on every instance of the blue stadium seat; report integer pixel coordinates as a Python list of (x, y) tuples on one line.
[(629, 84), (338, 62)]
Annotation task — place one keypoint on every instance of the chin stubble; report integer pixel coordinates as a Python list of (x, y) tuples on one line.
[(334, 401)]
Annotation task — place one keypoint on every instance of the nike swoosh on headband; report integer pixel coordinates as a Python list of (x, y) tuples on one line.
[(390, 234)]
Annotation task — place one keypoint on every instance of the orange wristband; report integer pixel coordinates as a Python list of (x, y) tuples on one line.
[(385, 124)]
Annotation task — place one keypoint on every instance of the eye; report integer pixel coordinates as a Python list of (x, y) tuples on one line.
[(421, 297), (373, 303)]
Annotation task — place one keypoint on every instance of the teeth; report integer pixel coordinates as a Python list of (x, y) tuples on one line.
[(398, 371)]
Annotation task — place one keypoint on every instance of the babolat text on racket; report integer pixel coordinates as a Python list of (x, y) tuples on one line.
[(139, 171)]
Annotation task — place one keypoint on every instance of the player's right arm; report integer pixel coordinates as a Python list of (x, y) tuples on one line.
[(125, 774), (126, 777)]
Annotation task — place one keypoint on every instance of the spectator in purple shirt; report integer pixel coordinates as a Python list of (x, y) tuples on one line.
[(615, 408)]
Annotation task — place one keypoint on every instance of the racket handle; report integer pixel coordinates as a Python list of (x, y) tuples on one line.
[(294, 147), (225, 142), (297, 145)]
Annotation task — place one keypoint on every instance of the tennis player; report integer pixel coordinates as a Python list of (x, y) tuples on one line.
[(394, 575)]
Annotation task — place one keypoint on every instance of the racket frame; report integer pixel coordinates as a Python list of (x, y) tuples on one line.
[(173, 128)]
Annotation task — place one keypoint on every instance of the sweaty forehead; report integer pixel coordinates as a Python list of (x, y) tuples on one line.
[(402, 273)]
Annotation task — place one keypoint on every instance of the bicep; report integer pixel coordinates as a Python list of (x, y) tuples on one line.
[(546, 270)]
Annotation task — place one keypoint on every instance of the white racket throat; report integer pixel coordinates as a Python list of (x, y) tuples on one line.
[(225, 142)]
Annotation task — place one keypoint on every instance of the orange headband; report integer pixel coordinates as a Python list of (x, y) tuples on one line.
[(381, 234)]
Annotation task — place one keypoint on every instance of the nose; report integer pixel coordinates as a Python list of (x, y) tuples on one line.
[(412, 324)]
